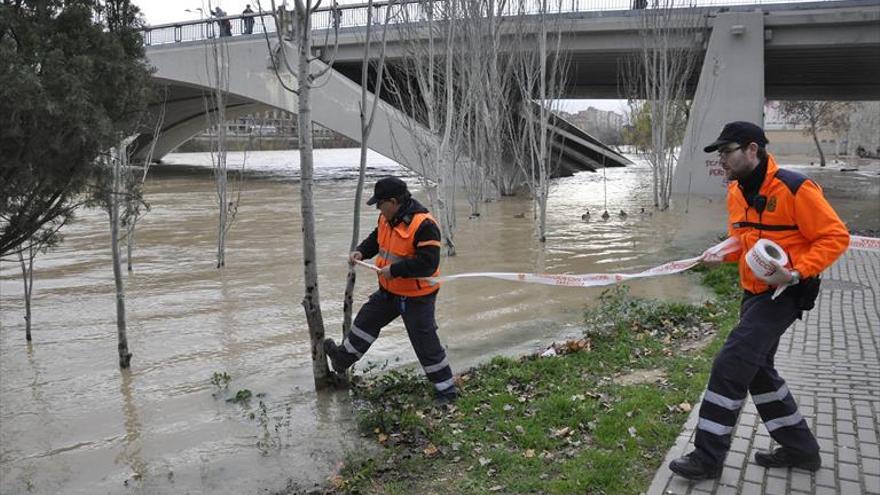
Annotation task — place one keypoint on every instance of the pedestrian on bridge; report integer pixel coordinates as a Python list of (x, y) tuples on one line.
[(224, 24), (406, 242), (764, 202), (247, 20)]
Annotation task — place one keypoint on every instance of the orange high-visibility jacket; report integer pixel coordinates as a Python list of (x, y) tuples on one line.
[(796, 216), (395, 244)]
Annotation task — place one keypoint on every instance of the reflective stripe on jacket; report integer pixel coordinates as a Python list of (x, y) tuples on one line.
[(396, 244), (795, 215)]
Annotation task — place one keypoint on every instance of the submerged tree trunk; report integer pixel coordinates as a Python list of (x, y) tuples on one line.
[(312, 299), (116, 191), (27, 275)]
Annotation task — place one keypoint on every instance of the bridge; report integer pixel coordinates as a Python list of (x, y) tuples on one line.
[(796, 50)]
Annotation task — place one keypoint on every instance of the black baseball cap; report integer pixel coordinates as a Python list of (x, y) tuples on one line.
[(738, 132), (387, 188)]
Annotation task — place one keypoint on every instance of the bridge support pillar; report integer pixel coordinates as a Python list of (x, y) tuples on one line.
[(731, 87)]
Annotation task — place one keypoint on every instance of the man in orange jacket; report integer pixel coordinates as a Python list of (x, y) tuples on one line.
[(407, 242), (764, 201)]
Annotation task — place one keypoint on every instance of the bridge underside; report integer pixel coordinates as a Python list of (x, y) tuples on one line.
[(840, 72)]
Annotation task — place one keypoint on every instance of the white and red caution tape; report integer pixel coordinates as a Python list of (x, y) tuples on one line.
[(864, 243), (716, 252)]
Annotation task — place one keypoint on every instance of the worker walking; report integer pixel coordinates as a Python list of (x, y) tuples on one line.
[(764, 202), (406, 242)]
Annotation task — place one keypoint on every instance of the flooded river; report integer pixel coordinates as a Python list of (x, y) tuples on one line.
[(71, 422)]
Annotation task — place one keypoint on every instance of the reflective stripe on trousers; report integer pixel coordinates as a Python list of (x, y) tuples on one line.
[(745, 364), (418, 316)]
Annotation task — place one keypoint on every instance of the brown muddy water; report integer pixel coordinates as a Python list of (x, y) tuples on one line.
[(71, 422)]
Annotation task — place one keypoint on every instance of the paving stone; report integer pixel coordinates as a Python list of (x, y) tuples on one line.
[(850, 487), (754, 473), (727, 490), (801, 481), (870, 451), (866, 435), (678, 486), (740, 445), (871, 466), (845, 440), (735, 460), (824, 431), (847, 455), (845, 426), (826, 477), (865, 422), (848, 471), (872, 484), (752, 489), (825, 490), (775, 486)]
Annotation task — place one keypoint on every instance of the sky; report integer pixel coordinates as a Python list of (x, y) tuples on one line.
[(167, 11)]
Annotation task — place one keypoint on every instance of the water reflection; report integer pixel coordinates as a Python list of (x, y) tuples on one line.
[(71, 423), (131, 451)]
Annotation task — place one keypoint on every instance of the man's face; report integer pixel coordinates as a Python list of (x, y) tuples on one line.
[(388, 208), (738, 160)]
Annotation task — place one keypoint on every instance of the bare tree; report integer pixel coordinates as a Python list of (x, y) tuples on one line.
[(309, 71), (217, 67), (817, 116), (113, 190), (428, 95), (660, 73), (45, 239), (540, 75), (367, 109), (133, 208)]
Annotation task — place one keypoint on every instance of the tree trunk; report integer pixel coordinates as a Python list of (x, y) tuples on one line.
[(129, 242), (367, 118), (818, 146), (220, 174), (27, 275), (115, 193), (312, 299)]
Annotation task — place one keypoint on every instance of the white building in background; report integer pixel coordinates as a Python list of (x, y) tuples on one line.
[(605, 126), (790, 139)]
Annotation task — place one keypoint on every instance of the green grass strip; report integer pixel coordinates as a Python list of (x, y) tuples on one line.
[(566, 424)]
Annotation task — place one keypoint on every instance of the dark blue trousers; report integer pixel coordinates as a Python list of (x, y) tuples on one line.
[(384, 307), (745, 365)]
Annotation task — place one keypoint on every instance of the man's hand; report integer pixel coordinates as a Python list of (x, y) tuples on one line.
[(782, 276), (386, 272), (711, 259), (355, 256)]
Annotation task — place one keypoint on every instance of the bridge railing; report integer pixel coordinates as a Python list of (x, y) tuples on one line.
[(406, 11)]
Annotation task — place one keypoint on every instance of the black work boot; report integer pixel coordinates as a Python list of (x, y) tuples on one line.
[(786, 457), (337, 359), (694, 467), (446, 397)]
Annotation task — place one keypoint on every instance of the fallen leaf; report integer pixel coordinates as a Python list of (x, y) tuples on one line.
[(632, 431), (337, 481), (431, 450), (382, 438), (519, 429), (496, 488), (507, 407), (484, 461), (684, 406), (562, 432), (529, 453)]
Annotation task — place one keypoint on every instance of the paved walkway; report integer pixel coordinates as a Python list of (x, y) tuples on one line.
[(830, 361)]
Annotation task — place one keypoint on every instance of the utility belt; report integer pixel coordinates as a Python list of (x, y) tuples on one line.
[(805, 293)]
